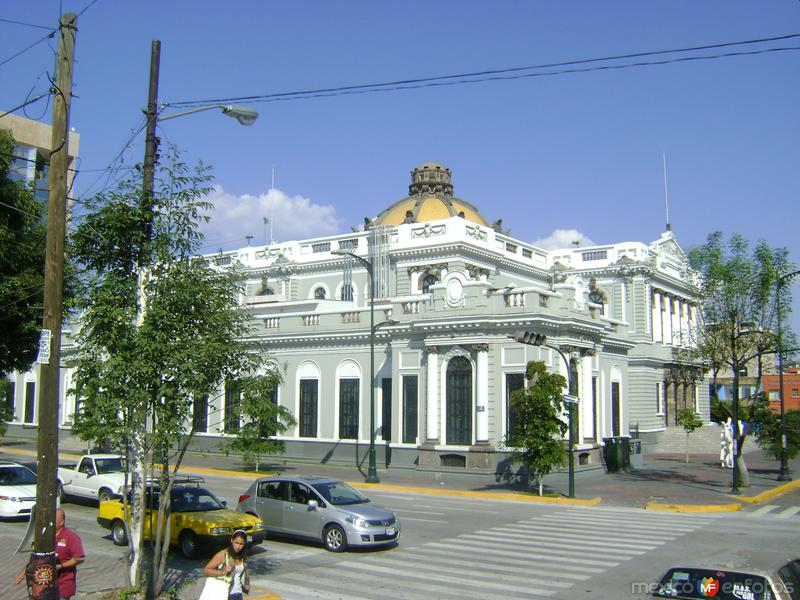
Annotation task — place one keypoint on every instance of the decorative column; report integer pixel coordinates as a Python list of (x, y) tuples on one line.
[(482, 395), (432, 397), (667, 312), (658, 335), (585, 387)]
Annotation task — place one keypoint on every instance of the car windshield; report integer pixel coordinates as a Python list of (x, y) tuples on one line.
[(109, 465), (339, 493), (194, 500), (16, 476), (707, 583)]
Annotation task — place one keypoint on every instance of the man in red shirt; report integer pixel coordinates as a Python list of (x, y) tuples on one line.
[(69, 554)]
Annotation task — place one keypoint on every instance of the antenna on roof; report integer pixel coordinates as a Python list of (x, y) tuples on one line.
[(666, 190), (272, 206)]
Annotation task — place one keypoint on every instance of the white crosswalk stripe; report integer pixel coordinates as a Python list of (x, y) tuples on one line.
[(774, 511), (537, 557)]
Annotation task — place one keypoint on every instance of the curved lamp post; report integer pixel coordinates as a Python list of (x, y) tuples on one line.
[(784, 474), (372, 469)]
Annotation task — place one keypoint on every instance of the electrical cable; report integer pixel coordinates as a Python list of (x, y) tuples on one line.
[(24, 104), (12, 22), (36, 43), (412, 83)]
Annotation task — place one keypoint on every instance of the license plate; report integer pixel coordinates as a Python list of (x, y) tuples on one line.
[(390, 531)]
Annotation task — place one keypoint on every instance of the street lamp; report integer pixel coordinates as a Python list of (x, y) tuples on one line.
[(372, 469), (538, 339), (784, 474)]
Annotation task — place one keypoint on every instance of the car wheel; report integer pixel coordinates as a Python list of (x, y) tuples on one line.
[(105, 494), (188, 544), (334, 538), (118, 534)]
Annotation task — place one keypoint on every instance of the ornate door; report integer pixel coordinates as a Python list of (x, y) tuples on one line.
[(459, 402)]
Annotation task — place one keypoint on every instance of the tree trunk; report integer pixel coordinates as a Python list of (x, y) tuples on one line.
[(136, 465), (687, 447), (744, 474)]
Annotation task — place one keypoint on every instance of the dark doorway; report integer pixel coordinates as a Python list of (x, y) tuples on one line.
[(459, 401)]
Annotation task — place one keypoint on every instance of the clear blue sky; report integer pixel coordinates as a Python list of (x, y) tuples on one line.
[(576, 151)]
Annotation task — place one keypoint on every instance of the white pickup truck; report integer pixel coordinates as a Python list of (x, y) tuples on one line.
[(96, 476)]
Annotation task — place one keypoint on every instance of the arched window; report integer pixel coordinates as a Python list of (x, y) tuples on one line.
[(347, 293), (429, 280), (319, 293), (459, 401)]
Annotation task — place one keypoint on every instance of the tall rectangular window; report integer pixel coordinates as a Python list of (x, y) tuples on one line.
[(30, 401), (273, 397), (615, 409), (514, 382), (233, 400), (410, 395), (659, 399), (386, 409), (348, 409), (308, 407), (595, 408), (200, 414), (8, 404)]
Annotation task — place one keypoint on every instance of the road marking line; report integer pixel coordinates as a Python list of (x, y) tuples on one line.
[(422, 520), (510, 558), (298, 592), (617, 525), (567, 558), (551, 543), (763, 510), (486, 565), (554, 533), (789, 512), (633, 537), (422, 512)]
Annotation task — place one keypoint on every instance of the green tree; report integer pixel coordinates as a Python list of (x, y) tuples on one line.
[(737, 287), (23, 231), (768, 434), (140, 367), (689, 420), (536, 438)]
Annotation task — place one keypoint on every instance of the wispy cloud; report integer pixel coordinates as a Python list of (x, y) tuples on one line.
[(563, 238), (289, 218)]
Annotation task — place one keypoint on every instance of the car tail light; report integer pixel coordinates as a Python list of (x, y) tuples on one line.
[(243, 497)]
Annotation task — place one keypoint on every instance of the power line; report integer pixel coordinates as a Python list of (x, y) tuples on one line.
[(497, 74), (12, 22), (36, 43), (24, 104)]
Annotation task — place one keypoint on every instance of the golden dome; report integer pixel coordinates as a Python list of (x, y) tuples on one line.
[(430, 199)]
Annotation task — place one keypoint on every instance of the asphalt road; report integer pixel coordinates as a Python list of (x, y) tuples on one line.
[(461, 548)]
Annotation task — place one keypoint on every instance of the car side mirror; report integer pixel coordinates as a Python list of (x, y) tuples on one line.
[(313, 505)]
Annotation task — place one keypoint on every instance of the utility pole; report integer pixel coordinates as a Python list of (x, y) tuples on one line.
[(41, 575)]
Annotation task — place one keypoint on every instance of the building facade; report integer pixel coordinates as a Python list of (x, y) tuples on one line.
[(445, 289)]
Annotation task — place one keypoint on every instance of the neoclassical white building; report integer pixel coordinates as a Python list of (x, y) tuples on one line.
[(449, 290)]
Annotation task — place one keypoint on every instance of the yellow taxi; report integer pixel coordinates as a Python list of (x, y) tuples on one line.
[(199, 521)]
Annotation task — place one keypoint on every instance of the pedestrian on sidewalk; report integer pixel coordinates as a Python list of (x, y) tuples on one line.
[(231, 563), (69, 554)]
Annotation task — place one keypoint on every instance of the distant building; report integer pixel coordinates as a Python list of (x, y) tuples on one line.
[(30, 163), (791, 389), (32, 155), (449, 288)]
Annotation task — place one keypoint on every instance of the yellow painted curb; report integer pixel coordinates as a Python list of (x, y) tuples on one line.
[(700, 508), (770, 494), (519, 497)]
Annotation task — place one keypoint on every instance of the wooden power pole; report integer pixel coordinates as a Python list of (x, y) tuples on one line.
[(41, 574)]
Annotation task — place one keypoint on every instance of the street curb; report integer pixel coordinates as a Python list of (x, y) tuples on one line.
[(266, 594), (698, 508), (517, 497), (770, 494)]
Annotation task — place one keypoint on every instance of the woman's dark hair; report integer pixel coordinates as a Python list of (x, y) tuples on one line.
[(242, 554)]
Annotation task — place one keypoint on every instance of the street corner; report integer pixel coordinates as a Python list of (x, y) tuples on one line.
[(693, 508), (771, 493)]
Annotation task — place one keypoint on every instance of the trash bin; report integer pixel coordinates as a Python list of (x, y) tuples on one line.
[(612, 453)]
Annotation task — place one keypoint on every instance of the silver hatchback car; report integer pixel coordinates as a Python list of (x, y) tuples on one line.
[(321, 509)]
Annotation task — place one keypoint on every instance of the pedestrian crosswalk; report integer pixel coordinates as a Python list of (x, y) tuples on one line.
[(538, 557), (774, 511)]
